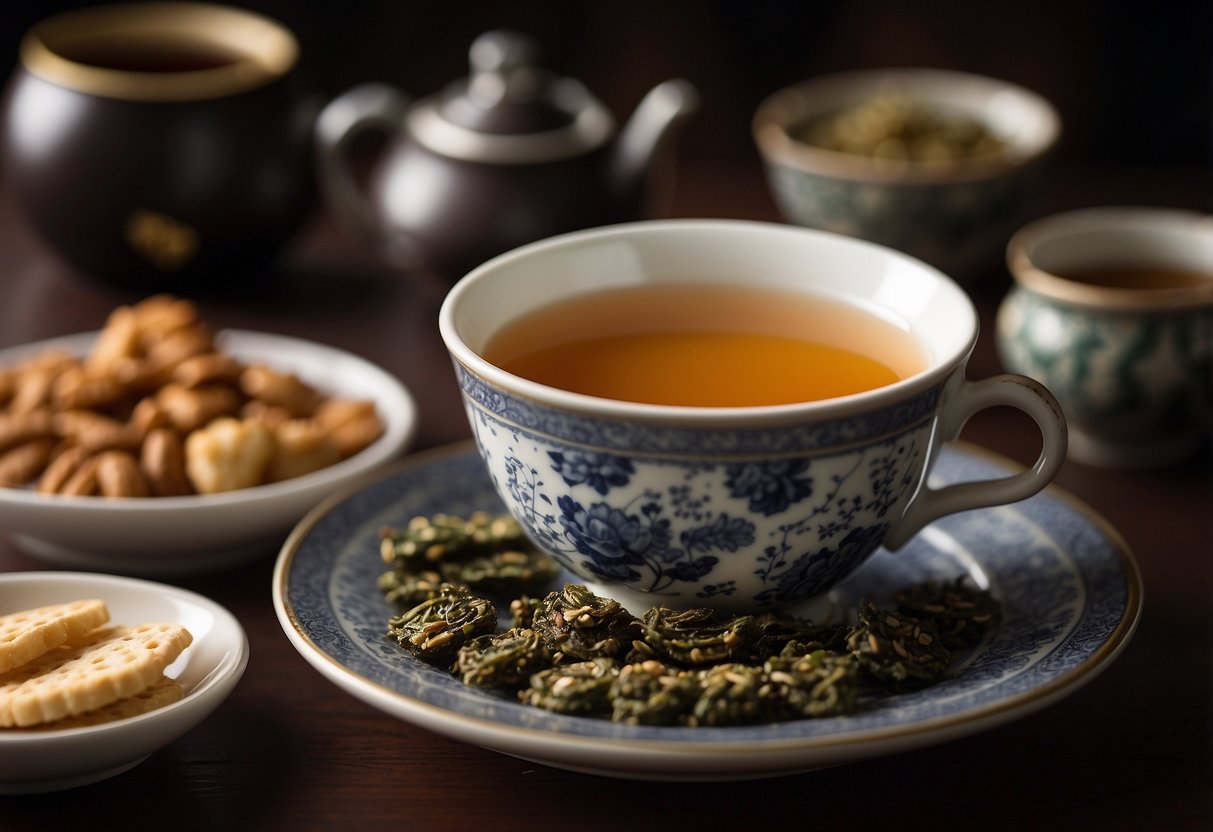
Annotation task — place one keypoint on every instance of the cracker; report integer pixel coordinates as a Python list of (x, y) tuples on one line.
[(111, 664), (164, 692), (26, 635)]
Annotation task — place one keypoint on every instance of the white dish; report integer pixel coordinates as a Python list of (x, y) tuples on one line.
[(165, 536), (1070, 590), (40, 760)]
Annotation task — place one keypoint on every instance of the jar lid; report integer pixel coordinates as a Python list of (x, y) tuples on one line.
[(510, 111)]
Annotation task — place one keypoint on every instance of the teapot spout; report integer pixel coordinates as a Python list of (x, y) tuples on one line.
[(645, 144)]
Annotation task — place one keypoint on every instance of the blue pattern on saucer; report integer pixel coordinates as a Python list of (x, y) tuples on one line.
[(1070, 595)]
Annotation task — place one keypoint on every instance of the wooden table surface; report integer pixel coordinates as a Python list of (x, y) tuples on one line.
[(289, 750)]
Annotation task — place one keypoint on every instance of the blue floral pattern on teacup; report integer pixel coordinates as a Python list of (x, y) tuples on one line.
[(767, 530), (609, 435)]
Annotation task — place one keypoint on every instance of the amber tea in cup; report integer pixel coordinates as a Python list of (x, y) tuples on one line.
[(706, 345), (1143, 276)]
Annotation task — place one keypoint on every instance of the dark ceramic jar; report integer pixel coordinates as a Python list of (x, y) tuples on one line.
[(164, 146)]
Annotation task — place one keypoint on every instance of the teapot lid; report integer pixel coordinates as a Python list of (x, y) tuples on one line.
[(509, 111)]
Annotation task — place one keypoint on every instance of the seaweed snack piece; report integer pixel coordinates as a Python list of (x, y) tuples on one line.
[(733, 694), (578, 688), (960, 613), (815, 684), (508, 571), (434, 630), (695, 637), (576, 623), (898, 651), (488, 553), (653, 693), (407, 589), (429, 540), (522, 611), (776, 633), (503, 660)]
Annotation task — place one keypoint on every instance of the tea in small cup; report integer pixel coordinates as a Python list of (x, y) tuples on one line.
[(723, 413), (1112, 309), (164, 145)]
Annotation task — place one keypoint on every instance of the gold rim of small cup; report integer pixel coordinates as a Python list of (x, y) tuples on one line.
[(980, 96), (1029, 275), (262, 50)]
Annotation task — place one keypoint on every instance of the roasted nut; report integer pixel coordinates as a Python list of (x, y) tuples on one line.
[(19, 428), (78, 387), (189, 410), (118, 475), (300, 447), (138, 376), (269, 414), (83, 481), (33, 390), (146, 416), (93, 431), (21, 464), (353, 424), (336, 412), (61, 469), (281, 389), (162, 459), (8, 386), (208, 368), (119, 339), (228, 454), (169, 350), (161, 314)]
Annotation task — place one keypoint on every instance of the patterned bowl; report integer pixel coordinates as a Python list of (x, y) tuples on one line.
[(1131, 366), (956, 215), (738, 508)]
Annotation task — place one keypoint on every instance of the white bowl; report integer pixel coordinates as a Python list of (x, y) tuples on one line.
[(163, 536), (50, 759)]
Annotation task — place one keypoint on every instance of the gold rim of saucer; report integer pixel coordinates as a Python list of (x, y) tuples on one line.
[(264, 50)]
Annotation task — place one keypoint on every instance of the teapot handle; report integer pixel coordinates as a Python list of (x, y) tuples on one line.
[(365, 107)]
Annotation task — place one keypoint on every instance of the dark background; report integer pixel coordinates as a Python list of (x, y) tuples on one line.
[(1133, 81)]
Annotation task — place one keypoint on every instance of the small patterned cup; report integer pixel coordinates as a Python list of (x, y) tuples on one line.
[(956, 215), (1131, 366), (737, 508)]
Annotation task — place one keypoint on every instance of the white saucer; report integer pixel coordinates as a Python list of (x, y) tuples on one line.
[(1070, 591)]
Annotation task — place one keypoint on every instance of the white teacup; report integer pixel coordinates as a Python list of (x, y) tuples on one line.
[(737, 508)]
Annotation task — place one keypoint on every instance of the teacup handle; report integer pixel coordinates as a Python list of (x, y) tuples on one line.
[(1019, 392), (366, 107)]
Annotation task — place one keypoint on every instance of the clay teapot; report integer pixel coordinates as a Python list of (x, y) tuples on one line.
[(508, 155)]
